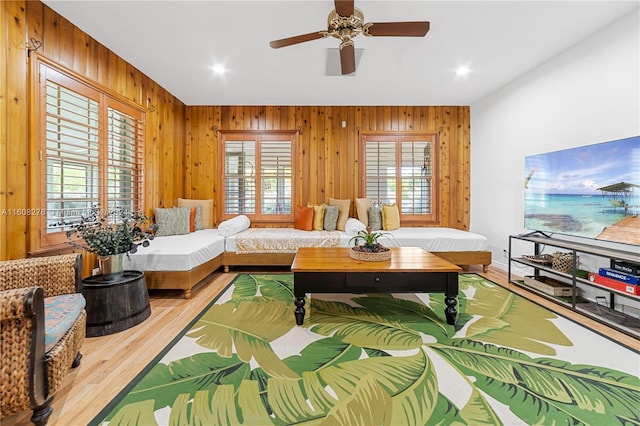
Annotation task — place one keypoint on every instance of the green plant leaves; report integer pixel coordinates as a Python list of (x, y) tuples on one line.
[(377, 360), (544, 391), (507, 319), (246, 329)]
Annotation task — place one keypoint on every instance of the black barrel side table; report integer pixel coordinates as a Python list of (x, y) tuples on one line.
[(115, 305)]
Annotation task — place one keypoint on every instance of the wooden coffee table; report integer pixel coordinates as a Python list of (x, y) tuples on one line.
[(410, 270)]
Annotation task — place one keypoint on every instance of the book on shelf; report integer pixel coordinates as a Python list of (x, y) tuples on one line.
[(620, 276), (625, 266), (614, 284)]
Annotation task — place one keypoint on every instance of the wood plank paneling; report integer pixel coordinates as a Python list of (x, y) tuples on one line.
[(67, 45), (181, 143), (4, 116), (17, 147), (327, 158)]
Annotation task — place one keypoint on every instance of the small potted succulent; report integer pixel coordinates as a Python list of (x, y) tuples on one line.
[(370, 249), (111, 235)]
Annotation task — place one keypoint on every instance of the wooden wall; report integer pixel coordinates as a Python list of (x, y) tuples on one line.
[(67, 45), (327, 161), (181, 142)]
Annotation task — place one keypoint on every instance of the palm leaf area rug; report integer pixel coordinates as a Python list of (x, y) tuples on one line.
[(383, 359)]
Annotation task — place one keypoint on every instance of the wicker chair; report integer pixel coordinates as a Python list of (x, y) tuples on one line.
[(32, 370)]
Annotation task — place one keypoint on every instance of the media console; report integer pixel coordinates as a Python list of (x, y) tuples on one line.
[(605, 313)]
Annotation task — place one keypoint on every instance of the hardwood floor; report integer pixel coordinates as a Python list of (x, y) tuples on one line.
[(110, 362)]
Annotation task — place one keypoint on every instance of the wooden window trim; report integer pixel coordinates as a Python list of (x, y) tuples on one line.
[(398, 137), (265, 135), (39, 241)]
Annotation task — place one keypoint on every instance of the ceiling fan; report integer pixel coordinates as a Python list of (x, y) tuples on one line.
[(346, 22)]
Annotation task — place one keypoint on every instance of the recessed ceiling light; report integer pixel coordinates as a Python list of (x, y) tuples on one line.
[(463, 70), (219, 69)]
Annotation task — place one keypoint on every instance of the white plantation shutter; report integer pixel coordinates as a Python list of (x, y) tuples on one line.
[(276, 176), (124, 166), (380, 171), (258, 175), (415, 177), (92, 154), (72, 153), (400, 169), (240, 180)]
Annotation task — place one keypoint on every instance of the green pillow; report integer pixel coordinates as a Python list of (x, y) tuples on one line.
[(330, 217), (375, 218), (173, 221)]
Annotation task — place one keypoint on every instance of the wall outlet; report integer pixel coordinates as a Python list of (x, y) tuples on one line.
[(95, 271), (505, 253)]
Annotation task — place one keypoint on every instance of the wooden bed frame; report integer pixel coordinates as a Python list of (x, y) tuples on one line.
[(461, 258), (182, 280)]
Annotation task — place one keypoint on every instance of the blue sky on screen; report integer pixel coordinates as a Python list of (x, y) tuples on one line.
[(584, 169)]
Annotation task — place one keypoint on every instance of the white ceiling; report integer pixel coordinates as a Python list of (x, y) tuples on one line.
[(176, 43)]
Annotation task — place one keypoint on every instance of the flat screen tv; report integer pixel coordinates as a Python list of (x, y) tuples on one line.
[(591, 191)]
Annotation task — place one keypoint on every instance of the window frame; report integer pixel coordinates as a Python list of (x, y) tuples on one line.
[(398, 138), (44, 70), (258, 137)]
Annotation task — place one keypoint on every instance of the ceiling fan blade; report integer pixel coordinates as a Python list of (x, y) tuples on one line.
[(398, 29), (344, 7), (276, 44), (347, 59)]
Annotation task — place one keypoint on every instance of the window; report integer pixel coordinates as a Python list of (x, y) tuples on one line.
[(258, 175), (401, 169), (91, 153)]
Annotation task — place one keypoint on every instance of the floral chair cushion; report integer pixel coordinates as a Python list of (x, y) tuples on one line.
[(60, 312)]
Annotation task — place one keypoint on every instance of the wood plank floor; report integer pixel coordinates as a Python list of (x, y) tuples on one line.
[(110, 362)]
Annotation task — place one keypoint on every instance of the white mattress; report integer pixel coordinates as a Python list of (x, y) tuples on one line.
[(177, 252), (430, 239), (435, 239)]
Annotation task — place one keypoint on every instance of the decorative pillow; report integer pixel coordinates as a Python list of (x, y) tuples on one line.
[(318, 216), (234, 225), (195, 218), (375, 218), (390, 217), (192, 219), (354, 226), (343, 211), (173, 221), (362, 208), (207, 210), (303, 218), (330, 217)]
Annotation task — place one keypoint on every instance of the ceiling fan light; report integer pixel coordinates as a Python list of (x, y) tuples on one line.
[(219, 69), (462, 70)]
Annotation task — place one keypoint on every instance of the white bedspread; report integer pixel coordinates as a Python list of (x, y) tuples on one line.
[(435, 239), (177, 252), (281, 240)]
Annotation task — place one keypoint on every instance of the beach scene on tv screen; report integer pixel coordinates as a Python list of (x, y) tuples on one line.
[(591, 191)]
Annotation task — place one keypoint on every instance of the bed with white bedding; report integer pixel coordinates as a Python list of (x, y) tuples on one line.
[(179, 261), (462, 248), (434, 239), (275, 246)]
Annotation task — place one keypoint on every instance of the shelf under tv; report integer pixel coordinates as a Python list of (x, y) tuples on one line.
[(603, 312)]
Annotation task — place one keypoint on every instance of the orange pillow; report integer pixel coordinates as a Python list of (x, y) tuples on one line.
[(192, 219), (303, 218)]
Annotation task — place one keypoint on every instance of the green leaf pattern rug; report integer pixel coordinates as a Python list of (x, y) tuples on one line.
[(383, 359)]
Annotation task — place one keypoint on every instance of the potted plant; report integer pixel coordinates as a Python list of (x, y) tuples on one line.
[(370, 249), (110, 236)]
